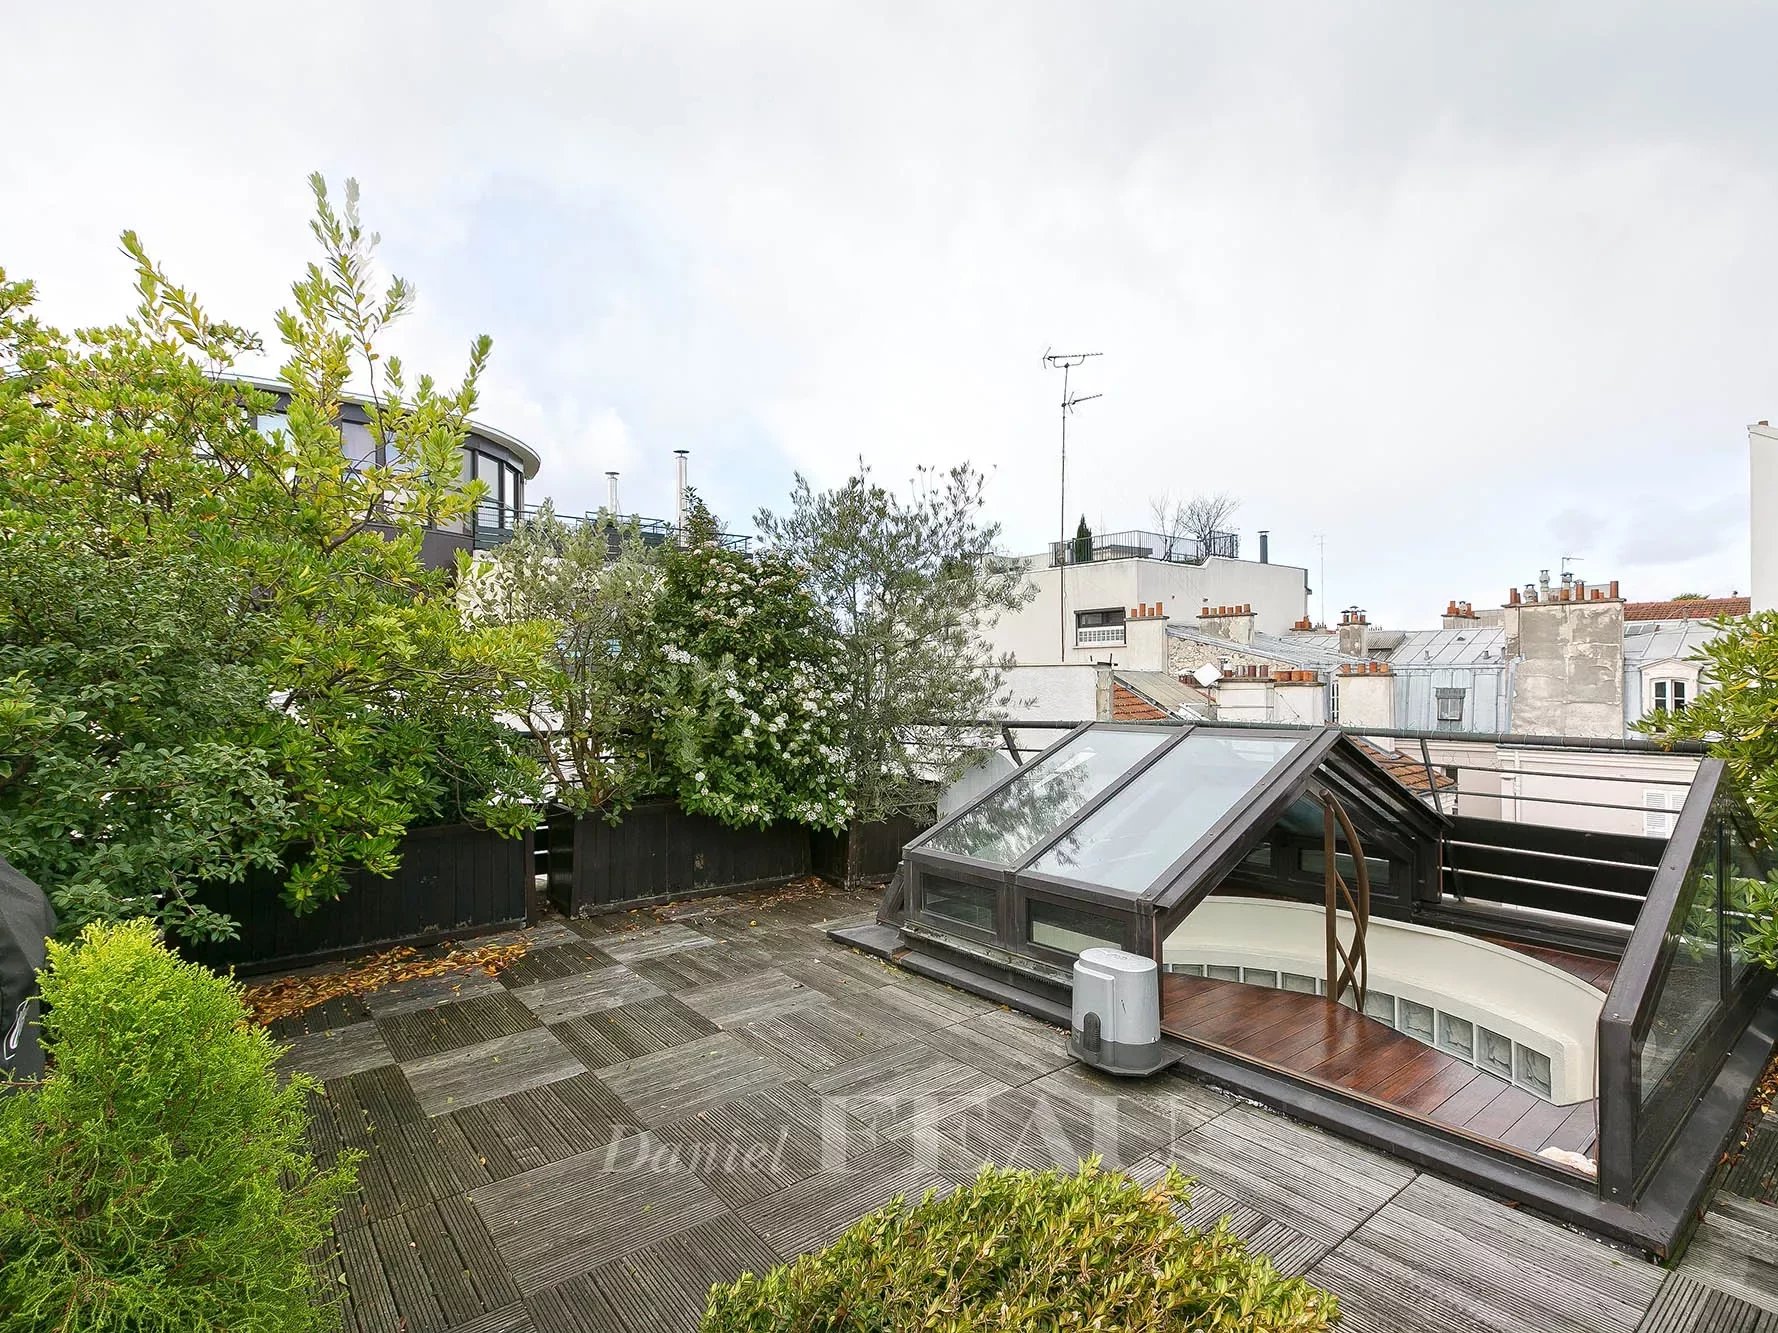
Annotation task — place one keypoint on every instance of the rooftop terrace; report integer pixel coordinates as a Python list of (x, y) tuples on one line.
[(645, 1104)]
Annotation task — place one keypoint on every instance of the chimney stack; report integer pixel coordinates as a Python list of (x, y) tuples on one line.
[(681, 455), (611, 504), (1265, 547)]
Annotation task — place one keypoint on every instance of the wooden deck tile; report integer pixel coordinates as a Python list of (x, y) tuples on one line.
[(904, 1088), (410, 1165), (417, 1033), (406, 997), (430, 1269), (615, 1035), (810, 1213), (355, 1107), (697, 1076), (585, 993), (666, 1285), (841, 972), (339, 1012), (512, 1319), (489, 1069), (569, 1217), (634, 946), (574, 955), (1151, 1110), (575, 1305), (1755, 1173), (1012, 1047), (1315, 1184), (336, 1052), (760, 995), (531, 1128), (682, 969), (813, 1037), (1735, 1250), (1686, 1305), (757, 1145), (1022, 1128)]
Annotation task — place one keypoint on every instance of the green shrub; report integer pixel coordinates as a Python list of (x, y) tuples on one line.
[(158, 1178), (1021, 1250)]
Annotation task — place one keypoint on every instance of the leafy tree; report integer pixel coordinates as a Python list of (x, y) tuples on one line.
[(347, 702), (744, 679), (909, 587), (1687, 597), (1737, 711), (594, 589), (158, 1179)]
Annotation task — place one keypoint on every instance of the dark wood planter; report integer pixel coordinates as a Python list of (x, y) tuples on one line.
[(658, 852), (867, 853), (454, 881)]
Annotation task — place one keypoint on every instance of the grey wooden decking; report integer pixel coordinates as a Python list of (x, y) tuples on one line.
[(644, 1106)]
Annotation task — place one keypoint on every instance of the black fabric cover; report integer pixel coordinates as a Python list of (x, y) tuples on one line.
[(25, 921)]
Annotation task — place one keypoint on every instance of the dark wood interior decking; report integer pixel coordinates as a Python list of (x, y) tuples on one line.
[(1313, 1038)]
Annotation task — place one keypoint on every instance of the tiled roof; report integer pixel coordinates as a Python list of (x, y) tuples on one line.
[(1699, 608), (1167, 695), (1128, 706), (1411, 773)]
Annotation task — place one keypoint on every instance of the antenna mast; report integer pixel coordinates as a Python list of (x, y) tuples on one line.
[(1067, 361)]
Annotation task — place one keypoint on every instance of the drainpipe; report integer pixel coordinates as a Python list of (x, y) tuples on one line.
[(681, 455)]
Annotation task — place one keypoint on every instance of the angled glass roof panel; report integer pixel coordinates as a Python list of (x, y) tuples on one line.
[(1130, 841), (1008, 823)]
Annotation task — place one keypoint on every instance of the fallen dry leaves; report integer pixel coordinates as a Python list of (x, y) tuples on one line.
[(283, 997)]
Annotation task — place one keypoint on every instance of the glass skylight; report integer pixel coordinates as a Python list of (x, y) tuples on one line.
[(1128, 843), (1007, 824)]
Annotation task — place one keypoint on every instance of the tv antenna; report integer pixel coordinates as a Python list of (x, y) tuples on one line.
[(1066, 362), (1321, 582)]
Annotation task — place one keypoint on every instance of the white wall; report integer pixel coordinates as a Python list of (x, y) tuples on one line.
[(1279, 595), (1762, 448)]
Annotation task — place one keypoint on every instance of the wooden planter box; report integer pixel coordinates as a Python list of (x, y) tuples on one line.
[(454, 881), (865, 853), (658, 852)]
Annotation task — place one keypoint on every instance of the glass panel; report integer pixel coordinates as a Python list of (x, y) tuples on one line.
[(1222, 972), (1496, 1053), (1380, 1006), (1377, 867), (1296, 981), (1156, 819), (1070, 929), (1003, 827), (1690, 986), (1456, 1036), (1260, 857), (1534, 1070), (1416, 1020), (966, 904), (1259, 976), (1752, 867)]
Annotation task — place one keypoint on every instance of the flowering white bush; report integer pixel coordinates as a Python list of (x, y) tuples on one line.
[(744, 684)]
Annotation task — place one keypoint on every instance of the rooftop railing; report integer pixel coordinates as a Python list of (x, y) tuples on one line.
[(493, 524), (1138, 545)]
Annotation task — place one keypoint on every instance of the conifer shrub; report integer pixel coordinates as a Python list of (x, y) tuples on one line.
[(157, 1179), (1020, 1250)]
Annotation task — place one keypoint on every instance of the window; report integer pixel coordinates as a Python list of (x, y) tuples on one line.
[(1669, 696), (1660, 808), (1070, 930), (966, 904), (1099, 627), (1450, 708)]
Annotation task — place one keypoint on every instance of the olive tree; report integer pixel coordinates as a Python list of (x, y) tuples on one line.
[(909, 583)]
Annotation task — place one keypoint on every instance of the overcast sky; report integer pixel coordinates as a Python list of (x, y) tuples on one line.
[(1464, 288)]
